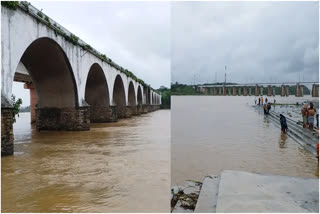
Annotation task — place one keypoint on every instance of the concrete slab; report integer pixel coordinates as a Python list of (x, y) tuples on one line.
[(208, 197), (250, 192)]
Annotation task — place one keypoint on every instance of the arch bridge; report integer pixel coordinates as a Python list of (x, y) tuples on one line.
[(71, 84)]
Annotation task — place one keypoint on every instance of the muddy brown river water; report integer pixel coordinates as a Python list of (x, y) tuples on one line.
[(114, 167), (212, 133)]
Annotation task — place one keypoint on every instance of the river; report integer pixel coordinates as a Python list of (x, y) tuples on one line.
[(114, 167), (214, 133)]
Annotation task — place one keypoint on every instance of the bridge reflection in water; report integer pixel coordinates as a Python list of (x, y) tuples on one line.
[(114, 167), (211, 134)]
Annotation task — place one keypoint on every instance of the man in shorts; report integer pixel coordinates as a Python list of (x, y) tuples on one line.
[(311, 113)]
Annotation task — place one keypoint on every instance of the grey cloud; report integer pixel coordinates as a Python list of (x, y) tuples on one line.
[(273, 41), (136, 35)]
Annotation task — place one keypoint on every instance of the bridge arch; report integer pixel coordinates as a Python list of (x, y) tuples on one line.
[(152, 98), (139, 95), (52, 77), (51, 74), (97, 95), (119, 97), (131, 95)]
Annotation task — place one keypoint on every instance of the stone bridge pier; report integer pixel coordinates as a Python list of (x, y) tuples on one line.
[(284, 90), (269, 90), (33, 100), (299, 90), (234, 91), (257, 90), (315, 90), (215, 91), (224, 91)]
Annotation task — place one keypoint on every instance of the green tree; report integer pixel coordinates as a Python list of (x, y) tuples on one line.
[(165, 97), (16, 106)]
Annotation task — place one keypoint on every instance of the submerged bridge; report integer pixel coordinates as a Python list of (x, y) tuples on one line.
[(256, 89), (71, 84)]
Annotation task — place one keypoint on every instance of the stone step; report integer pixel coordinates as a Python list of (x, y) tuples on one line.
[(208, 197), (251, 192)]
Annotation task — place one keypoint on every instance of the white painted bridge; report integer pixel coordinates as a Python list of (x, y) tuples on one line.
[(71, 84)]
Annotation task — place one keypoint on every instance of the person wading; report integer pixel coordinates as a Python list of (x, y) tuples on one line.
[(268, 107), (283, 123), (304, 112), (311, 113)]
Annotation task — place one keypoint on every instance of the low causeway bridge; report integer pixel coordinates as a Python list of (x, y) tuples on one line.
[(256, 89), (71, 84)]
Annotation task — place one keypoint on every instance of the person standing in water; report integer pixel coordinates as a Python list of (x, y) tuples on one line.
[(311, 113), (255, 101), (261, 100), (266, 99), (304, 112), (265, 108), (268, 107), (283, 123)]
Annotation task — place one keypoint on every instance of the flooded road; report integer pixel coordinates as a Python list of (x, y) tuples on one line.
[(214, 133), (114, 167)]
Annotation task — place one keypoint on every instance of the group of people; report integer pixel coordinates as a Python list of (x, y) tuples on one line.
[(260, 101), (266, 105), (308, 112)]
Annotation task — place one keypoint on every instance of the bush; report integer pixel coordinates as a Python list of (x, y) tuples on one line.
[(40, 14), (47, 19), (87, 47), (16, 106), (10, 4)]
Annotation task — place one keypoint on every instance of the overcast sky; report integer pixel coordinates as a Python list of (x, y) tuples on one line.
[(257, 41), (136, 35)]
